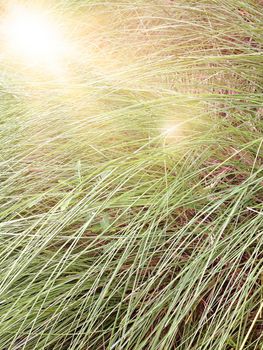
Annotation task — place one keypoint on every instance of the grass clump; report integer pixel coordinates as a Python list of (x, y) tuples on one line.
[(131, 187)]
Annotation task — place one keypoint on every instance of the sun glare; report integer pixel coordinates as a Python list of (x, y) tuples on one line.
[(34, 37)]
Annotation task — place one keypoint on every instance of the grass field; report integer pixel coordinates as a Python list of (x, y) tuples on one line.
[(131, 168)]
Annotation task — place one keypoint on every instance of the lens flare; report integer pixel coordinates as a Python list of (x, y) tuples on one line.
[(33, 37), (172, 132)]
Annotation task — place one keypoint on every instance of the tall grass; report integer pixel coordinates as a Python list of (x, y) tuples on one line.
[(131, 189)]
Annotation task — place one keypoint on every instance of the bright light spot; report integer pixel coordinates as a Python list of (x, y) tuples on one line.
[(32, 36), (172, 132)]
